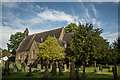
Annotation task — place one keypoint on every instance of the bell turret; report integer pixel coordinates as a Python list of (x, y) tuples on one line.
[(26, 32)]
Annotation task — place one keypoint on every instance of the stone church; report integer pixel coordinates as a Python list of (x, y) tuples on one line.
[(28, 48)]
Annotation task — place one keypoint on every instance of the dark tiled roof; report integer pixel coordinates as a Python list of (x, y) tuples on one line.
[(25, 45)]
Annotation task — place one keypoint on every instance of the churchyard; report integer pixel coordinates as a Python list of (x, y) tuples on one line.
[(22, 72)]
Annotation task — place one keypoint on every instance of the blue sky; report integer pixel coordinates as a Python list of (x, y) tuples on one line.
[(43, 16)]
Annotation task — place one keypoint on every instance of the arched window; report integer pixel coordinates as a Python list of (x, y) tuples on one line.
[(33, 53)]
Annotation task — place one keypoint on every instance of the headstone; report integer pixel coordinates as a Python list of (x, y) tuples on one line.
[(30, 73), (82, 68), (60, 68), (6, 70), (15, 68), (72, 71), (54, 68), (23, 67), (39, 67), (77, 73), (65, 67), (43, 67), (95, 67)]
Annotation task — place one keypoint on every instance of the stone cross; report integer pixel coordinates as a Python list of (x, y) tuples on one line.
[(72, 71), (15, 68), (23, 67)]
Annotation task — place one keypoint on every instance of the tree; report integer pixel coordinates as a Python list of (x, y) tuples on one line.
[(115, 55), (50, 49), (15, 40), (85, 43), (71, 28)]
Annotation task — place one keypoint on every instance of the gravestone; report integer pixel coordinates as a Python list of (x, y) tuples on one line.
[(6, 70), (23, 67), (54, 68), (39, 67), (95, 67), (82, 68), (15, 68), (29, 73), (77, 74), (72, 71), (43, 67), (65, 67), (60, 68)]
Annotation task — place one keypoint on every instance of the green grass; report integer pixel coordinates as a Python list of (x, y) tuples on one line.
[(89, 72)]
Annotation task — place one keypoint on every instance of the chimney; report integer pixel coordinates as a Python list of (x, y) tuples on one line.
[(62, 34), (26, 32)]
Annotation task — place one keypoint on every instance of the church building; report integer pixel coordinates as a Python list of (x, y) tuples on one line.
[(28, 48)]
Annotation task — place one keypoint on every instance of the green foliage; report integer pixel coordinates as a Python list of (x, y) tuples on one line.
[(50, 49), (4, 50), (114, 50), (87, 42), (15, 40), (71, 28)]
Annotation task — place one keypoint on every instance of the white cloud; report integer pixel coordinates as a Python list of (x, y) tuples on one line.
[(94, 10), (7, 31), (110, 36), (87, 13), (54, 15)]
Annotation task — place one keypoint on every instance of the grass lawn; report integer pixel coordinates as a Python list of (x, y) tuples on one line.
[(89, 73)]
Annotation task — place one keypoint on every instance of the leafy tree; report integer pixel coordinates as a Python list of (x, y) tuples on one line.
[(114, 54), (15, 40), (85, 43), (71, 28), (50, 49)]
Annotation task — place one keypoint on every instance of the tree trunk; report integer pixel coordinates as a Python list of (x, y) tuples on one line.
[(83, 75), (115, 70)]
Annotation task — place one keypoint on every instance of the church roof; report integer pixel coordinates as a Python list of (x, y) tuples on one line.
[(41, 37)]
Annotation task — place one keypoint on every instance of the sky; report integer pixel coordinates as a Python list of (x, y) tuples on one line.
[(43, 16)]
